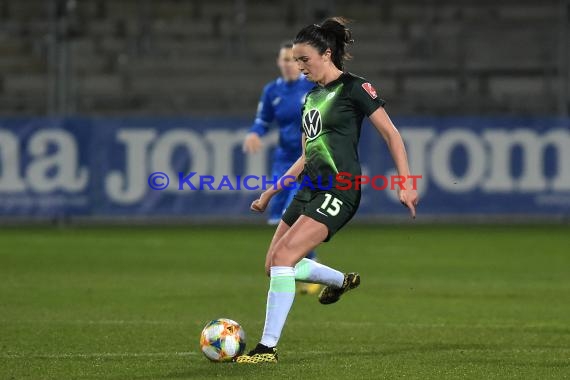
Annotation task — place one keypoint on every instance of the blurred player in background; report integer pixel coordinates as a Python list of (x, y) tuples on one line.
[(332, 119), (281, 101)]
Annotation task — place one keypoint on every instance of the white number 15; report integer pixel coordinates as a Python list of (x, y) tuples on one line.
[(334, 208)]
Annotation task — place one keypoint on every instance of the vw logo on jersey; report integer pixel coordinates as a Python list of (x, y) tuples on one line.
[(312, 124)]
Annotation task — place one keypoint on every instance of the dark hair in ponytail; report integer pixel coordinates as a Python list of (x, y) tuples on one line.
[(330, 34)]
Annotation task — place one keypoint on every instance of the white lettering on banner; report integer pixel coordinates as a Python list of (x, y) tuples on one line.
[(533, 148), (130, 187), (163, 150), (10, 180), (440, 162), (63, 162), (225, 142), (489, 158), (210, 154)]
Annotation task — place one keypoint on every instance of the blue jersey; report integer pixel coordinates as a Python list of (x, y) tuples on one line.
[(282, 102)]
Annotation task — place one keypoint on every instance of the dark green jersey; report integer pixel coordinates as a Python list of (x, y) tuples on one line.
[(332, 119)]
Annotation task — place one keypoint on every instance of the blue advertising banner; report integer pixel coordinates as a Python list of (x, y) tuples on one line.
[(104, 167)]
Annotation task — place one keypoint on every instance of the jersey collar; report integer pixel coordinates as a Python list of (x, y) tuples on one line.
[(336, 81)]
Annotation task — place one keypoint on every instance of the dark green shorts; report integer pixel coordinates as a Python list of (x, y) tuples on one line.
[(330, 208)]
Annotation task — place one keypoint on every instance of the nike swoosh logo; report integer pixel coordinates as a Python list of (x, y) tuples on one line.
[(322, 213)]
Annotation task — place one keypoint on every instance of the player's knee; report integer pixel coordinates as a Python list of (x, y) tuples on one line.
[(269, 261), (282, 257)]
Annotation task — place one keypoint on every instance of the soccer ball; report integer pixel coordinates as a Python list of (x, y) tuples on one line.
[(222, 340)]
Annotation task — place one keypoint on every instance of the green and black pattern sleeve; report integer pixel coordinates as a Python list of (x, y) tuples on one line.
[(365, 97)]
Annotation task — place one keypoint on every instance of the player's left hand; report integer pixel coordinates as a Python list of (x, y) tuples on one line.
[(410, 199)]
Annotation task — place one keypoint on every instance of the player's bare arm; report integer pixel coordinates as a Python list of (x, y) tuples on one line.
[(382, 123), (260, 204)]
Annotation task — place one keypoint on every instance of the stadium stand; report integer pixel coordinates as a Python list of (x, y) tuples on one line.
[(109, 57)]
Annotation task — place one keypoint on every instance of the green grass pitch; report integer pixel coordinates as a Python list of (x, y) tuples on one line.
[(436, 302)]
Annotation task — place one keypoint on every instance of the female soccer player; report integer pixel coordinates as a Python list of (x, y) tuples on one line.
[(332, 118), (282, 101)]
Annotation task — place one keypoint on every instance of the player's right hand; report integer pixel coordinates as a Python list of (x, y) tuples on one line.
[(409, 198), (260, 204), (252, 143)]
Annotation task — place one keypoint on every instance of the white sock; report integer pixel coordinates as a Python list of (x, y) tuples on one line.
[(279, 300), (310, 271)]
